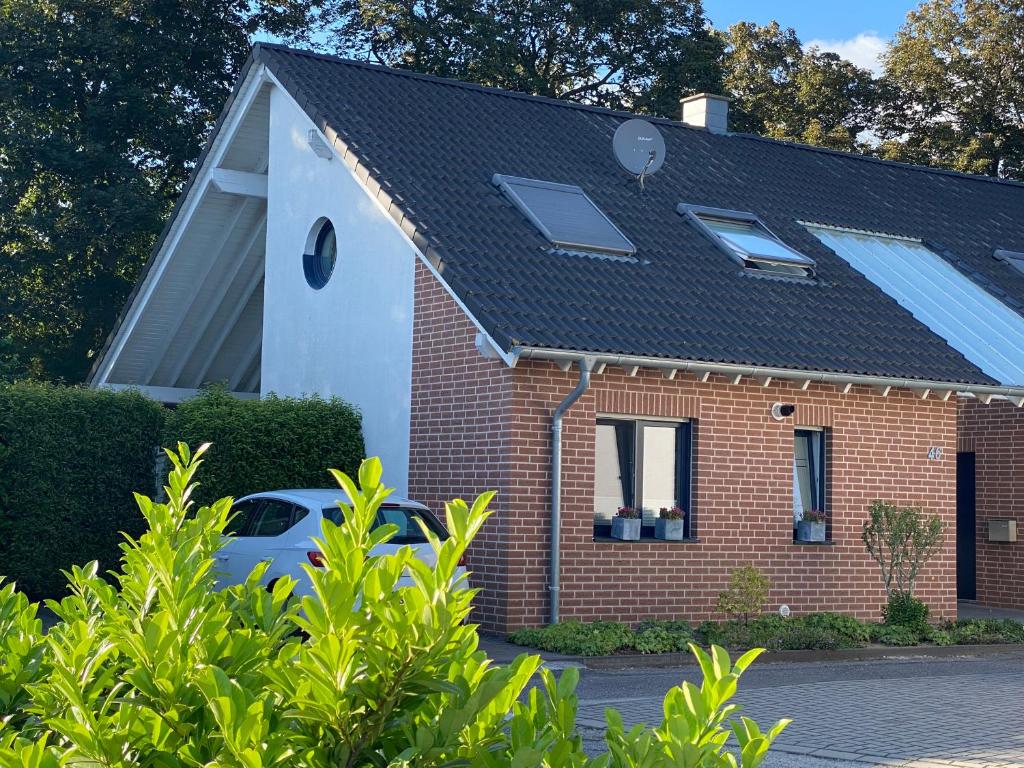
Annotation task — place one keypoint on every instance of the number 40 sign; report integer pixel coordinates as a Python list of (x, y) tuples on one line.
[(935, 453)]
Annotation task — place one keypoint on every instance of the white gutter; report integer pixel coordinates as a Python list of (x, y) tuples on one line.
[(982, 391)]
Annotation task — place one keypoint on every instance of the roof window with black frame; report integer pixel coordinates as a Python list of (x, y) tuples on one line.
[(1014, 258), (565, 215), (746, 239)]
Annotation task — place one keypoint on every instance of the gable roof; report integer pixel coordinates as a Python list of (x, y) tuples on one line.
[(433, 146), (428, 148)]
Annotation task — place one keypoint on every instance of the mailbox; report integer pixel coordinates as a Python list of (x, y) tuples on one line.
[(1002, 529)]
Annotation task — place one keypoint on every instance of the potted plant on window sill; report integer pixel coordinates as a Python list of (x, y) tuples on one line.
[(811, 527), (626, 524), (670, 525)]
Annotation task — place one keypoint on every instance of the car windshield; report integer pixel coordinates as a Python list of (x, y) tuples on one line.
[(403, 517)]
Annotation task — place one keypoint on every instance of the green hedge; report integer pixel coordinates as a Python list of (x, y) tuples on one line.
[(69, 461), (260, 445)]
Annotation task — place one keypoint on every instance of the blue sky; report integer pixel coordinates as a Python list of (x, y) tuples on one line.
[(857, 31)]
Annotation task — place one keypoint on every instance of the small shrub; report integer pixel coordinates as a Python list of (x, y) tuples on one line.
[(746, 595), (577, 638), (847, 628), (657, 638), (805, 637), (766, 629), (670, 625), (823, 631), (1012, 630), (940, 637), (902, 541), (897, 634), (985, 631), (905, 610)]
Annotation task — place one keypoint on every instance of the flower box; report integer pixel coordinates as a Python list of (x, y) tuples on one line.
[(669, 530), (810, 531), (625, 528)]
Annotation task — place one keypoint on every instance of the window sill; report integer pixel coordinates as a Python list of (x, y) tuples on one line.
[(644, 540), (826, 543)]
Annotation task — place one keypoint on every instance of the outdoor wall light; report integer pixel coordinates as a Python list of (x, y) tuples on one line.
[(782, 411)]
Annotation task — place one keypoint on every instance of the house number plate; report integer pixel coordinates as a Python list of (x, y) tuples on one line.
[(935, 453)]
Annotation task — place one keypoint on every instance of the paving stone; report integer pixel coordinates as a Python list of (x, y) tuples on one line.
[(955, 721)]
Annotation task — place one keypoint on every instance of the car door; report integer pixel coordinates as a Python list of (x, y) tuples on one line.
[(264, 537), (228, 561)]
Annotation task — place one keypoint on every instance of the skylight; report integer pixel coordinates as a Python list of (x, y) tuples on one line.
[(565, 215), (744, 237)]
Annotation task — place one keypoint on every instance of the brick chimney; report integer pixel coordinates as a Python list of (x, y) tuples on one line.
[(706, 110)]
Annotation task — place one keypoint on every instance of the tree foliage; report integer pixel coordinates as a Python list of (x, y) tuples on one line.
[(104, 105), (954, 88), (782, 90), (632, 54), (902, 541), (161, 669)]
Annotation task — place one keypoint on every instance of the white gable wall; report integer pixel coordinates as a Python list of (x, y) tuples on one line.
[(353, 337)]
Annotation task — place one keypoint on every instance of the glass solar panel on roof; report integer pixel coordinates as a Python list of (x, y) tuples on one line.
[(565, 215), (971, 320)]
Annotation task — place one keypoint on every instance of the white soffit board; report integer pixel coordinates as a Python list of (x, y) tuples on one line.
[(971, 320)]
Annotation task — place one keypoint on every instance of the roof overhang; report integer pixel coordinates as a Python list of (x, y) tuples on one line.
[(225, 200), (765, 374)]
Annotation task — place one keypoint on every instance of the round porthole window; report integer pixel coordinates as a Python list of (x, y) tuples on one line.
[(321, 254)]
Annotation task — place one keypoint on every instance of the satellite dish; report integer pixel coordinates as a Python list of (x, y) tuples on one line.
[(639, 147)]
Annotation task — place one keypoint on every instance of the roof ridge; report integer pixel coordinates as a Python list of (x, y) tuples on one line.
[(879, 160), (456, 83), (566, 104)]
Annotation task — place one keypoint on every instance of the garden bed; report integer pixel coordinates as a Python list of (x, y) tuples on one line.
[(815, 632)]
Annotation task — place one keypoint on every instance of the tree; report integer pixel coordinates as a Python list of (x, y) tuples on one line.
[(954, 87), (902, 541), (103, 108), (641, 55), (781, 90)]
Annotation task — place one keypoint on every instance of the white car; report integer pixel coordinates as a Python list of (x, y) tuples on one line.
[(279, 527)]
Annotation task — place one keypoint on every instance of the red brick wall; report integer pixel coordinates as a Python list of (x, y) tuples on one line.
[(459, 431), (995, 434), (742, 496), (477, 424)]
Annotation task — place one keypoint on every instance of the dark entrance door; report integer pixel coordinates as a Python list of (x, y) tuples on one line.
[(966, 533)]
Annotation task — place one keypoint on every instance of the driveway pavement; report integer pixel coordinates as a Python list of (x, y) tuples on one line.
[(965, 712)]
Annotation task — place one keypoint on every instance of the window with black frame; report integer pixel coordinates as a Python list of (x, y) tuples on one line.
[(810, 460), (643, 464)]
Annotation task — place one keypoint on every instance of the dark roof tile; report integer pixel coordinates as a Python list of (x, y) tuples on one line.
[(434, 145)]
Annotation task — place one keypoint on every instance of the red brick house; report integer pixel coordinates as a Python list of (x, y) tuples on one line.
[(747, 329)]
